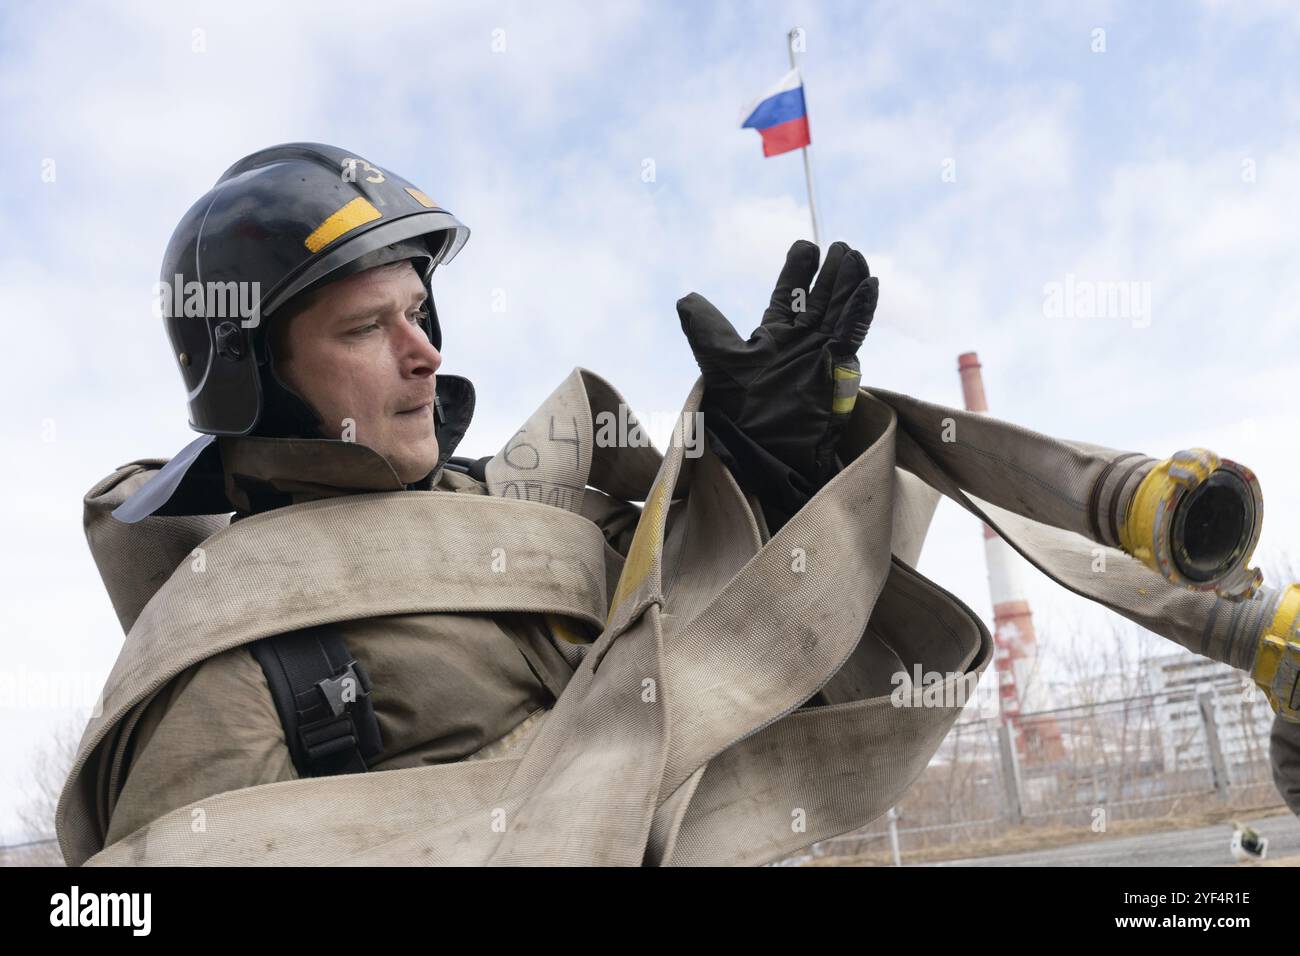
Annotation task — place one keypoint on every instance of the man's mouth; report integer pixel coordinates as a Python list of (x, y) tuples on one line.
[(417, 410)]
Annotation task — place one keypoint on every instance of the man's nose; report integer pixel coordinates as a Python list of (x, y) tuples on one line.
[(420, 358)]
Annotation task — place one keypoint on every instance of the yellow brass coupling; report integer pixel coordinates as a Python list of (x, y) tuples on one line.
[(1195, 520), (1277, 659)]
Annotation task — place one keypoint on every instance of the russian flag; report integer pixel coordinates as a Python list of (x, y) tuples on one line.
[(780, 116)]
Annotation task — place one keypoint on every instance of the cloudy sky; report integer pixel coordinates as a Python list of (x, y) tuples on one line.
[(975, 153)]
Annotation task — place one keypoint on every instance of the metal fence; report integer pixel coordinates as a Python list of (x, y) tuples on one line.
[(1158, 755)]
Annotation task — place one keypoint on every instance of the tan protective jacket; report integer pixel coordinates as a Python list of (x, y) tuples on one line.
[(447, 686), (549, 692)]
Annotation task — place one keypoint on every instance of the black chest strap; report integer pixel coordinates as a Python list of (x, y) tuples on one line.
[(322, 695), (476, 468)]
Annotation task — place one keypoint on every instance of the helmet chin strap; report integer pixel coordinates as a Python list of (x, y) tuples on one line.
[(284, 414)]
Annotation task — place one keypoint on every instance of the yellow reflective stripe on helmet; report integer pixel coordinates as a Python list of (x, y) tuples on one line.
[(421, 198), (356, 213)]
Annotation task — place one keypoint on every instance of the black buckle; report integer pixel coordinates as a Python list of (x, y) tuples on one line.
[(332, 688)]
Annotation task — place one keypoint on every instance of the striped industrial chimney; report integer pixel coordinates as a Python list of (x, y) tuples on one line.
[(1019, 689)]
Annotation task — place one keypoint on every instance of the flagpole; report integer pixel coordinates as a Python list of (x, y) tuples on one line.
[(807, 166)]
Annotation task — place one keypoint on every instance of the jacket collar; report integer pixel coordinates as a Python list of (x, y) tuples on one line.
[(267, 473)]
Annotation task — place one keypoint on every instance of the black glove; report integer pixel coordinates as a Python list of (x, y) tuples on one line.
[(776, 404)]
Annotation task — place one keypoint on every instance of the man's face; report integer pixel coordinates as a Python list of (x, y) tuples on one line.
[(357, 352)]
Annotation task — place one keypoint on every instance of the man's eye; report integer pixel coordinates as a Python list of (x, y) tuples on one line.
[(365, 328), (420, 317)]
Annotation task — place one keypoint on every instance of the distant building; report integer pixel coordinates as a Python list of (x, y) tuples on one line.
[(1242, 716)]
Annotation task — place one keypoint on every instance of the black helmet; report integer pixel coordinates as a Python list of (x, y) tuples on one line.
[(277, 223)]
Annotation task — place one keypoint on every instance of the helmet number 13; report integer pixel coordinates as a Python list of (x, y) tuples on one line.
[(350, 171)]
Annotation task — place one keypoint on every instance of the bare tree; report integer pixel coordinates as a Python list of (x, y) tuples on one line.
[(50, 768)]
